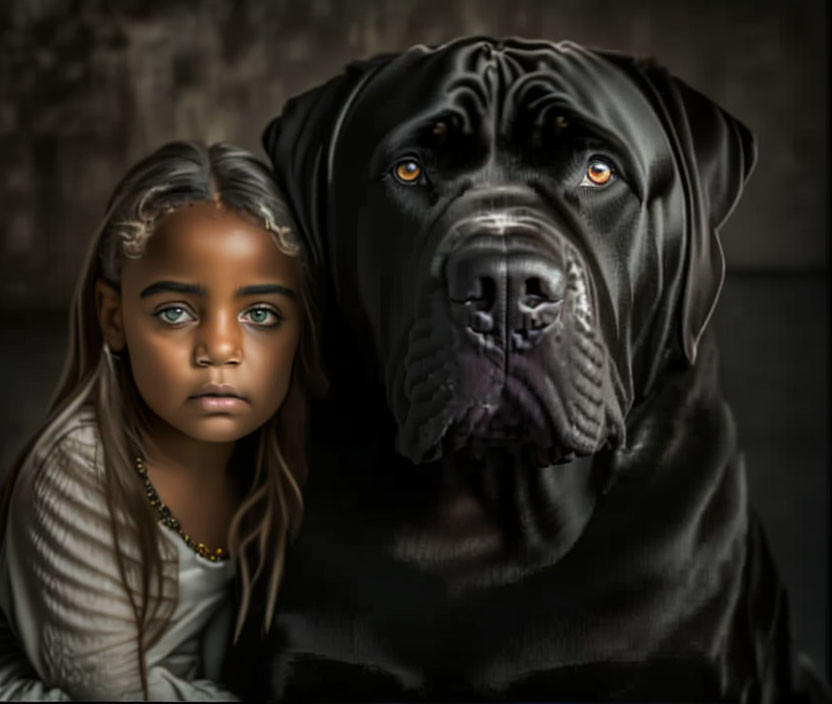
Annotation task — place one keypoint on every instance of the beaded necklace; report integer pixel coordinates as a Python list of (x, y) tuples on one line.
[(167, 518)]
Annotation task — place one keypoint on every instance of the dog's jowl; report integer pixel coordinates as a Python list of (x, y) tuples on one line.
[(525, 484)]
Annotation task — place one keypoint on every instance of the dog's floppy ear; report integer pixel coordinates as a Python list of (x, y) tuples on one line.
[(299, 142), (716, 154)]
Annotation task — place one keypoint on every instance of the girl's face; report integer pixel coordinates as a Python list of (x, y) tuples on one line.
[(211, 318)]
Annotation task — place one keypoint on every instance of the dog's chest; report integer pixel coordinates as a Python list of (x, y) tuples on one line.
[(350, 610)]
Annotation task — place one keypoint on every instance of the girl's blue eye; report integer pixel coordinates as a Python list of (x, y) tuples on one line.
[(174, 315), (265, 317)]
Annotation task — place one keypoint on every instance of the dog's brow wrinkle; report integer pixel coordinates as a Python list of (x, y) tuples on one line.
[(499, 221)]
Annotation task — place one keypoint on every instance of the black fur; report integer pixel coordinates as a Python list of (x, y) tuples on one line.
[(525, 484)]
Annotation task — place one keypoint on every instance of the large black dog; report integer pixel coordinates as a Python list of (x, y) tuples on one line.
[(525, 484)]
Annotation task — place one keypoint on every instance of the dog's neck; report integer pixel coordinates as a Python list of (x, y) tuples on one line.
[(680, 443), (683, 409), (667, 537)]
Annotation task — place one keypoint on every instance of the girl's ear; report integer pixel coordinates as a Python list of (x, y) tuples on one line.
[(108, 307)]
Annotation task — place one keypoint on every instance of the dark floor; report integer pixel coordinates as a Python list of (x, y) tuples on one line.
[(773, 333)]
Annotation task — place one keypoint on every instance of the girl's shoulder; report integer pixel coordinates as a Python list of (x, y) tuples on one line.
[(66, 467), (75, 440)]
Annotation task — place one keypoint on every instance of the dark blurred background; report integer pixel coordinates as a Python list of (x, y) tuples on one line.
[(89, 86)]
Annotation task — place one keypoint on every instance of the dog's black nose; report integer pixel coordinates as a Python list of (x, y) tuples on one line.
[(506, 293)]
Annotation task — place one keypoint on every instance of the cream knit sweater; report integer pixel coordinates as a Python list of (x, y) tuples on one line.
[(67, 629)]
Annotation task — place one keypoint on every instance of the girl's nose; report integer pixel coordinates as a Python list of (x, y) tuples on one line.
[(218, 341)]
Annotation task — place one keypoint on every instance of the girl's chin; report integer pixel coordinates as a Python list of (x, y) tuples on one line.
[(217, 428)]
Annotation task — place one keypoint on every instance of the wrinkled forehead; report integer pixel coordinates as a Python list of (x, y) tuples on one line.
[(493, 84)]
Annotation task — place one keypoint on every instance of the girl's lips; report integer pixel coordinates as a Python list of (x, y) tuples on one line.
[(219, 403)]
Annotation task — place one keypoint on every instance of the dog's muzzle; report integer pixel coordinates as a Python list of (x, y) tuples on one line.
[(503, 291), (509, 353)]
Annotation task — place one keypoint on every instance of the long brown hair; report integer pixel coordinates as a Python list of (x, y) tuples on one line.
[(272, 459)]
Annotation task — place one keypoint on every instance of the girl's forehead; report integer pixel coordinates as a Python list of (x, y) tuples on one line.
[(205, 240)]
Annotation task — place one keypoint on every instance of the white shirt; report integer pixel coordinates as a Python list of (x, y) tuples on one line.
[(64, 601)]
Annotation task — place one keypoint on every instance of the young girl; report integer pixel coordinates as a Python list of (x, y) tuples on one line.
[(175, 439)]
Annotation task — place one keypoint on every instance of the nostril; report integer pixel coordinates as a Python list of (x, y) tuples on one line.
[(486, 293), (479, 295), (533, 295), (539, 290), (473, 306)]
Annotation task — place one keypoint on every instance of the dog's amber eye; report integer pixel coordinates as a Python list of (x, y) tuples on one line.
[(408, 171), (598, 173)]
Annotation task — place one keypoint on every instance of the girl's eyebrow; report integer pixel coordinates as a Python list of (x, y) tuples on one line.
[(172, 286), (264, 288), (197, 290)]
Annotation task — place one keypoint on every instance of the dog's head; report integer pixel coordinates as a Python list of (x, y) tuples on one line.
[(526, 231)]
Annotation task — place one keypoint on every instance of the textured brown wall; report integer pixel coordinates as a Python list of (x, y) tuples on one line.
[(87, 87)]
